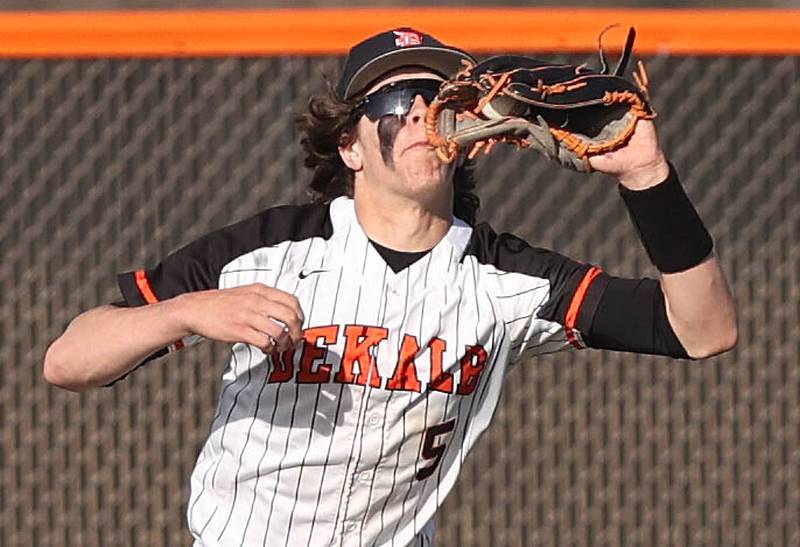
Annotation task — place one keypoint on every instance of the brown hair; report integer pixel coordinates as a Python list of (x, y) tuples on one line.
[(328, 124)]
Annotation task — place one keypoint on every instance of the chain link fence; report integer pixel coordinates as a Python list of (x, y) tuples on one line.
[(109, 165)]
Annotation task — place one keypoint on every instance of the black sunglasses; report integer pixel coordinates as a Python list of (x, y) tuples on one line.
[(396, 98)]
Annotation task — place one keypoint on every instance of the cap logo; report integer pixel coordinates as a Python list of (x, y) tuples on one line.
[(407, 38)]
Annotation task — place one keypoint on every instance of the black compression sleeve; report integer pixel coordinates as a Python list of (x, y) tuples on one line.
[(632, 316)]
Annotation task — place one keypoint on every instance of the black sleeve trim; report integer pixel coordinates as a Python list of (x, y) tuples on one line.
[(631, 316), (130, 292), (197, 266), (591, 302), (512, 254)]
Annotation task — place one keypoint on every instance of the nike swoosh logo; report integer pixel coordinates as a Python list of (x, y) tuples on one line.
[(305, 273)]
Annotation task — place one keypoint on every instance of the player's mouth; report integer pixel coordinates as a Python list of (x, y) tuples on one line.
[(423, 143)]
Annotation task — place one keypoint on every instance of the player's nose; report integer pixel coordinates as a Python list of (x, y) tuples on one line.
[(418, 110)]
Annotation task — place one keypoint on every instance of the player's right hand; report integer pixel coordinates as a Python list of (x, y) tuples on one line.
[(268, 318)]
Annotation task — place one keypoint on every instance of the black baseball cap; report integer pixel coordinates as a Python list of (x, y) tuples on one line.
[(370, 59)]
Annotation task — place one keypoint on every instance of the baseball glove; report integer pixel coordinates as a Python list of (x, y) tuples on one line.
[(569, 113)]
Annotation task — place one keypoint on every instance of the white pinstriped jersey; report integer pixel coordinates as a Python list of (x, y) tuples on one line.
[(356, 435)]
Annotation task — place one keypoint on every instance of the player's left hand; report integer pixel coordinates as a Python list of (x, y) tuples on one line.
[(637, 165)]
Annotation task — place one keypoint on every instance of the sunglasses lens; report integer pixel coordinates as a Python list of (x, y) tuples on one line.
[(397, 98)]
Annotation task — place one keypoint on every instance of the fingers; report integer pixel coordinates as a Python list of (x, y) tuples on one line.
[(277, 314), (263, 341), (268, 318), (283, 319), (276, 330), (282, 297), (265, 333), (285, 298)]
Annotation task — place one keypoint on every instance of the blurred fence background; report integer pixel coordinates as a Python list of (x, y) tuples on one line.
[(108, 165)]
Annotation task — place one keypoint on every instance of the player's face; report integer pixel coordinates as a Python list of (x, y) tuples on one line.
[(391, 135)]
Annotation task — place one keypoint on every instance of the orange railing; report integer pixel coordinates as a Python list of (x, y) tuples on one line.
[(331, 31)]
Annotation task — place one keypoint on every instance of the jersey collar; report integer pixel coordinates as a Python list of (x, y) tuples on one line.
[(450, 249)]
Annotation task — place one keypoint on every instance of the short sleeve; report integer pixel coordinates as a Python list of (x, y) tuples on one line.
[(547, 300), (197, 266), (189, 269)]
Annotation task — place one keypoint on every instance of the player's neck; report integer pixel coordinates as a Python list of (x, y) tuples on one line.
[(403, 224)]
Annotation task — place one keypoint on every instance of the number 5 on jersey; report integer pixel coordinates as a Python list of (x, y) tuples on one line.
[(433, 451)]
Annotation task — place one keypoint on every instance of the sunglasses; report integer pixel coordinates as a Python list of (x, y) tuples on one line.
[(396, 98)]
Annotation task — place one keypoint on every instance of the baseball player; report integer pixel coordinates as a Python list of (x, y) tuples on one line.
[(372, 329)]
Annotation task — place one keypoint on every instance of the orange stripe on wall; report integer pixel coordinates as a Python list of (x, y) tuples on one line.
[(332, 31)]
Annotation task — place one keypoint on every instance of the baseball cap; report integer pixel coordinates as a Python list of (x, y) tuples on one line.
[(370, 59)]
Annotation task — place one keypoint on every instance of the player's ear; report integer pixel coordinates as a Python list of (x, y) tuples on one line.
[(351, 155)]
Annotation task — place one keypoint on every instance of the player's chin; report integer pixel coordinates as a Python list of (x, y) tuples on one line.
[(427, 189)]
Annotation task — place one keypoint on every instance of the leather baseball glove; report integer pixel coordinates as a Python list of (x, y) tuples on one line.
[(569, 113)]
